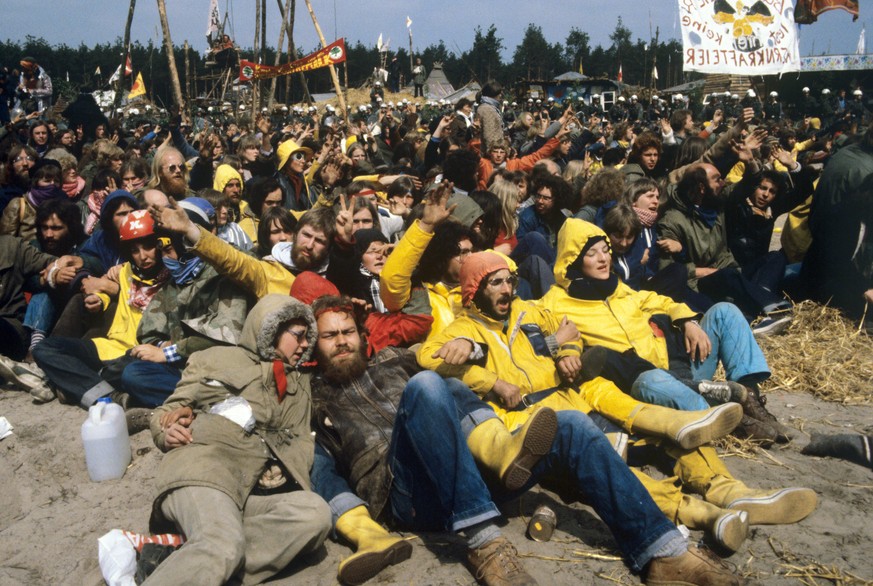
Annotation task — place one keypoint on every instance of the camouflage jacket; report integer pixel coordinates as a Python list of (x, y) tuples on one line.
[(209, 311)]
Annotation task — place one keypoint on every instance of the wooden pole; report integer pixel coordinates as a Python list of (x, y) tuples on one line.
[(127, 26), (256, 53), (336, 84), (292, 50), (187, 71), (171, 58), (281, 42), (263, 58)]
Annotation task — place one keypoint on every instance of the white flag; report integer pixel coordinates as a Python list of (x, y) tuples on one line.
[(379, 42), (655, 72), (98, 71), (862, 42), (115, 76), (214, 22), (408, 22)]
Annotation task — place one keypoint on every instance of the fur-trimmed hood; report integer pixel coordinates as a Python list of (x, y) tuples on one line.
[(266, 317)]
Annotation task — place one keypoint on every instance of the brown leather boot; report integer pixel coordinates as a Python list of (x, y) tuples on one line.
[(694, 567), (755, 429), (496, 564), (754, 407)]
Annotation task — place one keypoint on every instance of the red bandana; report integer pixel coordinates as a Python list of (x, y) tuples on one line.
[(281, 381)]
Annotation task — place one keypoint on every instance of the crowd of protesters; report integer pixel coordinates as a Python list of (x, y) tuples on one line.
[(461, 300)]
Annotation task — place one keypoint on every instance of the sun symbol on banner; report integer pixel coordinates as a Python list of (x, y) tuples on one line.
[(742, 18)]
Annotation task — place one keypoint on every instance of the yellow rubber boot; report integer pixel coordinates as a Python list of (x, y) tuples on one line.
[(376, 548), (780, 506), (687, 429), (728, 529), (510, 456), (704, 473)]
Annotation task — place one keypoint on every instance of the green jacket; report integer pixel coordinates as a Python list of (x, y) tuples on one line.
[(223, 456), (208, 311), (18, 262)]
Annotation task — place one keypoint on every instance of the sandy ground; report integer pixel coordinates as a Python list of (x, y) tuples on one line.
[(51, 514)]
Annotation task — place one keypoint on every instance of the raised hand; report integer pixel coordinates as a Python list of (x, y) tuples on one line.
[(344, 222), (435, 210)]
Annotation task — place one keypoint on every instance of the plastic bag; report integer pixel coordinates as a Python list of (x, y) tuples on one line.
[(116, 553), (237, 410), (117, 557)]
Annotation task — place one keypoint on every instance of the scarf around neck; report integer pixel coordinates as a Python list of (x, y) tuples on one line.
[(39, 195), (142, 290), (647, 218), (184, 270)]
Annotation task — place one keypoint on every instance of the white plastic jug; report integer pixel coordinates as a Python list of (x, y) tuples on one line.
[(107, 444)]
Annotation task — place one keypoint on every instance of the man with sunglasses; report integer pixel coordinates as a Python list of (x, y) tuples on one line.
[(169, 174)]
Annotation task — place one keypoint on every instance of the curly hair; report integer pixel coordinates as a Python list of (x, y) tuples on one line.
[(607, 185), (443, 247)]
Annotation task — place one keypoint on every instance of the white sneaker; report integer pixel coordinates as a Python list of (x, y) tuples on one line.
[(22, 375)]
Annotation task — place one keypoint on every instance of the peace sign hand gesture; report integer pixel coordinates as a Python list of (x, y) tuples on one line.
[(344, 222)]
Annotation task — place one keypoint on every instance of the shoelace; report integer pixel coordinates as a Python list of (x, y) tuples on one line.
[(506, 556)]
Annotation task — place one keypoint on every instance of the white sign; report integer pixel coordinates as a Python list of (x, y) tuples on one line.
[(748, 37)]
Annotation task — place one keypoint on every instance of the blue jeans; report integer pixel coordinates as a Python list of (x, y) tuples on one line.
[(733, 344), (41, 313), (436, 482), (582, 454), (659, 387), (150, 383)]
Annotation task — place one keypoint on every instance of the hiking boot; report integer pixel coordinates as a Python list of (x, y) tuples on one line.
[(24, 376), (771, 325), (695, 566), (720, 392), (754, 407), (138, 419), (42, 393), (120, 398), (756, 429), (496, 564)]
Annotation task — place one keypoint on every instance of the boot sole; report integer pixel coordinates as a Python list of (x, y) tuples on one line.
[(731, 530), (367, 565), (782, 507), (718, 422), (540, 433)]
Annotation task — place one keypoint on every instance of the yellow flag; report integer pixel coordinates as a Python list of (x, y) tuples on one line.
[(138, 88)]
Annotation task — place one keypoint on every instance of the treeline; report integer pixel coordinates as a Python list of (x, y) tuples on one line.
[(74, 69)]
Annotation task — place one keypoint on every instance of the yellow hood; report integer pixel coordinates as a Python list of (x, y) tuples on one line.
[(572, 237), (224, 174)]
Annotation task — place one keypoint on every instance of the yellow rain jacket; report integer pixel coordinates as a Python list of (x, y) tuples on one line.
[(261, 277), (121, 335), (619, 322)]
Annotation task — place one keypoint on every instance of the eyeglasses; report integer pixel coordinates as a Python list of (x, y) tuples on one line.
[(542, 197), (298, 156), (299, 334), (497, 283), (23, 158), (173, 168)]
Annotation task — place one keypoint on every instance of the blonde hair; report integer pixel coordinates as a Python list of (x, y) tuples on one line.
[(157, 161), (104, 150), (507, 193)]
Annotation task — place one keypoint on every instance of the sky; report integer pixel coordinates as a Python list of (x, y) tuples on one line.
[(76, 21)]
